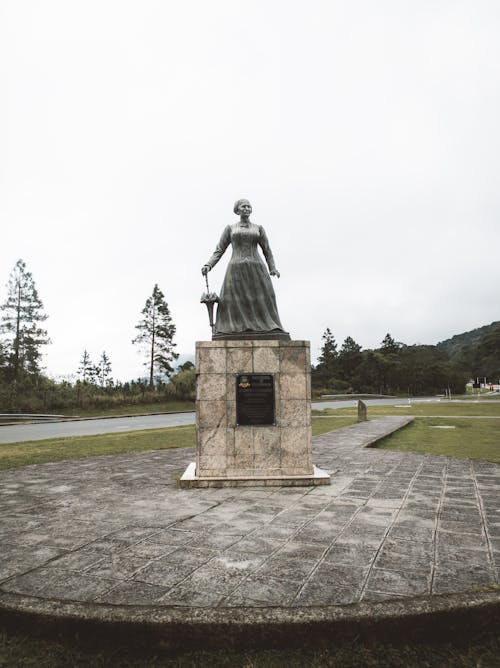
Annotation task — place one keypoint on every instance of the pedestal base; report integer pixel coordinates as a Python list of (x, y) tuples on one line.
[(190, 480), (268, 441)]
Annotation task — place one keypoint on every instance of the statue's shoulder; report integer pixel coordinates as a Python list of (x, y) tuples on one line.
[(226, 232)]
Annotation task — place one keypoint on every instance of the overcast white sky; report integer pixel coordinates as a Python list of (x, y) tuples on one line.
[(366, 135)]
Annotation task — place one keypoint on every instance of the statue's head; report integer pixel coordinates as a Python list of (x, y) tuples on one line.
[(240, 203)]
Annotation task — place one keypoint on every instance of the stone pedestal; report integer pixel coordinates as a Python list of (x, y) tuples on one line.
[(228, 453)]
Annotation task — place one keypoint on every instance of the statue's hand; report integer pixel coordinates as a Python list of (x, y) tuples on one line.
[(205, 269), (275, 272)]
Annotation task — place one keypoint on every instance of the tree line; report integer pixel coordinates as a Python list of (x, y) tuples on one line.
[(393, 368), (24, 387)]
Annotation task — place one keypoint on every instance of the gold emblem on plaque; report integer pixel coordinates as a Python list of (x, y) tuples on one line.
[(244, 384)]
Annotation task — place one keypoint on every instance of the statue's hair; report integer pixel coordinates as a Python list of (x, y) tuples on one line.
[(237, 204)]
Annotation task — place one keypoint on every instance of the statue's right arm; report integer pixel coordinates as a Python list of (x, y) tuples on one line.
[(224, 242)]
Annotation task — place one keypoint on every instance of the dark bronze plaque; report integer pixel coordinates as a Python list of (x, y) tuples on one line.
[(255, 399)]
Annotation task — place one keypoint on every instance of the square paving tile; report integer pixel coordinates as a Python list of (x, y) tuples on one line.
[(263, 591), (399, 582), (163, 573), (319, 593)]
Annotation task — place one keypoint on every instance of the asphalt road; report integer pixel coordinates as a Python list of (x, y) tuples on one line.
[(35, 432)]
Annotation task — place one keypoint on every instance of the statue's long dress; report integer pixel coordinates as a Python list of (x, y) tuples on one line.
[(247, 307)]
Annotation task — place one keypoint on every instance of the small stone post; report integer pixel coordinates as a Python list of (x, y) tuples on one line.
[(362, 416)]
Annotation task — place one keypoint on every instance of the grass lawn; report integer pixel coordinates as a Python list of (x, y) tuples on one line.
[(466, 436), (13, 455), (480, 408), (452, 437), (322, 425)]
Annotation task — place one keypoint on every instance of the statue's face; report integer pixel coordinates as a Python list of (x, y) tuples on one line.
[(245, 208)]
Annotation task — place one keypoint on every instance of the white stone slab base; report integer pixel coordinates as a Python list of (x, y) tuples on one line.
[(190, 480)]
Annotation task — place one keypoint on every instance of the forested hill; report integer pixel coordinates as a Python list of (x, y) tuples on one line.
[(455, 346)]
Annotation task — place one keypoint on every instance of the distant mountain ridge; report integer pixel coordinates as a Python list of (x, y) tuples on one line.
[(456, 344)]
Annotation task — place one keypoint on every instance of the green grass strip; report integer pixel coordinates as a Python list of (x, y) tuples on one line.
[(13, 455), (445, 408), (322, 425), (469, 439)]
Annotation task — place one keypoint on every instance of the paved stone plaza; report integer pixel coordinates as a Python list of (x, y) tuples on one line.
[(115, 530)]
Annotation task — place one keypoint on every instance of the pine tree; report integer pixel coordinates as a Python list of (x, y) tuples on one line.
[(87, 371), (104, 368), (389, 346), (156, 331), (329, 349), (349, 358), (22, 313), (326, 370)]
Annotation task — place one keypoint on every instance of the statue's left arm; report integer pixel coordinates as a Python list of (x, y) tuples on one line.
[(266, 249)]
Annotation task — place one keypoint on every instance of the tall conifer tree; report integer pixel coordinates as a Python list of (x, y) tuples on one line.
[(389, 346), (326, 370), (156, 331), (329, 352), (349, 358), (22, 313), (87, 371), (104, 368)]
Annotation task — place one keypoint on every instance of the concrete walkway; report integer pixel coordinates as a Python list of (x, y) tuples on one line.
[(98, 537)]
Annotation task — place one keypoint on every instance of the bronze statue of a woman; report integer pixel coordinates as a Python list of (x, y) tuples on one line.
[(247, 304)]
